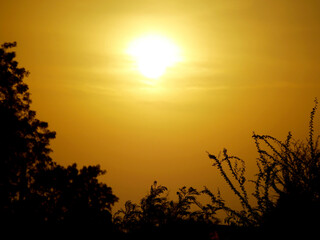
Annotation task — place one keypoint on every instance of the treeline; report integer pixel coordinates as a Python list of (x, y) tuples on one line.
[(35, 190)]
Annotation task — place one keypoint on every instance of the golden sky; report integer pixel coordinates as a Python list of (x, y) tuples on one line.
[(247, 66)]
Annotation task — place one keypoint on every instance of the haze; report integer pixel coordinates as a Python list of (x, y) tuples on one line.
[(247, 66)]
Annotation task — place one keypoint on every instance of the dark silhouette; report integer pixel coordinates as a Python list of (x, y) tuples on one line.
[(36, 191), (33, 188), (156, 217), (287, 187), (24, 140), (285, 203), (72, 196)]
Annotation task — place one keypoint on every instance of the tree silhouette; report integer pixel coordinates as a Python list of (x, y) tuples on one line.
[(24, 140), (128, 219), (287, 185), (154, 206), (157, 217), (34, 188), (72, 196)]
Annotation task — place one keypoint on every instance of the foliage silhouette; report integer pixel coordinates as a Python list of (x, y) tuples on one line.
[(73, 196), (24, 140), (34, 188), (287, 185), (157, 217)]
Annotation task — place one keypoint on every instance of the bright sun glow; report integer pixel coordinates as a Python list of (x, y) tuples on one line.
[(153, 55)]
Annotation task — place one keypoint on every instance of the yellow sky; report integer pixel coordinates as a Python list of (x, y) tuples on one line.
[(248, 66)]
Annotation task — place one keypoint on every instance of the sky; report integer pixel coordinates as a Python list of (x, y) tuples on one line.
[(246, 66)]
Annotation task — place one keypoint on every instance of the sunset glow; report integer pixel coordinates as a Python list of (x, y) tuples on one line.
[(146, 88)]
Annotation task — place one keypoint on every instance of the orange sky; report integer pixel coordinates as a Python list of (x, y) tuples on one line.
[(248, 66)]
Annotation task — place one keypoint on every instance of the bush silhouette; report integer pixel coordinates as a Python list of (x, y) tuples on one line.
[(72, 196), (285, 202), (34, 188), (157, 217), (287, 186)]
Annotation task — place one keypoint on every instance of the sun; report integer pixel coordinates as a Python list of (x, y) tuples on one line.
[(153, 54)]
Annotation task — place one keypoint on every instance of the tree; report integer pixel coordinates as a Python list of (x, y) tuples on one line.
[(24, 140), (157, 217), (75, 197), (287, 185), (34, 188)]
